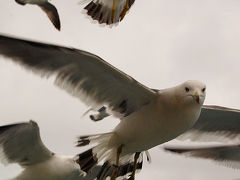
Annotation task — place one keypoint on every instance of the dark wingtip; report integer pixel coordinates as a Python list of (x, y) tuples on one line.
[(20, 2), (52, 14), (83, 141), (172, 150)]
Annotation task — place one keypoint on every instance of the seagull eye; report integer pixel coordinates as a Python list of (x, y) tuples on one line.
[(187, 89), (203, 90)]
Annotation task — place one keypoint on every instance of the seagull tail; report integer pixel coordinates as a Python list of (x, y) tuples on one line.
[(102, 152), (102, 11)]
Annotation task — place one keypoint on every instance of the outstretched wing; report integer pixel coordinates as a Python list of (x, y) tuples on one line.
[(228, 155), (215, 124), (21, 143), (80, 73)]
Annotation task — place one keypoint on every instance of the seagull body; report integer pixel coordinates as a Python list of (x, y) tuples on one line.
[(21, 143), (147, 117), (47, 7), (160, 121)]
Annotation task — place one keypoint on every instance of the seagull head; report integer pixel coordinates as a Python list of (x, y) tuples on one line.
[(192, 92)]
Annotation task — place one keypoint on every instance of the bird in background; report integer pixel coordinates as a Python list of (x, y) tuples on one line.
[(48, 8), (222, 126), (108, 11), (103, 11), (21, 143), (148, 117)]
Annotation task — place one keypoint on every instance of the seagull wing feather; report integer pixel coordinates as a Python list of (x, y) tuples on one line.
[(227, 155), (215, 124), (81, 73), (21, 143)]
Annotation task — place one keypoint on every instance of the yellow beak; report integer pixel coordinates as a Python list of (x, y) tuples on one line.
[(196, 97)]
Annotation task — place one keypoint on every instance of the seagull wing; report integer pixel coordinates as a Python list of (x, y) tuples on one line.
[(52, 13), (228, 155), (215, 124), (21, 143), (80, 73)]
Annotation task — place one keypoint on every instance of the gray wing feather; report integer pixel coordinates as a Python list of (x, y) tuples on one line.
[(82, 74), (215, 124), (21, 143), (228, 155)]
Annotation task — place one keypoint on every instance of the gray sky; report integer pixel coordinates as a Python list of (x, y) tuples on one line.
[(160, 43)]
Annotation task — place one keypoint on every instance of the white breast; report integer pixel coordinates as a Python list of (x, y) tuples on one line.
[(152, 125)]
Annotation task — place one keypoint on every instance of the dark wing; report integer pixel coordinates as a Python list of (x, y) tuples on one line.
[(49, 9), (228, 155), (80, 73), (52, 14), (215, 124), (21, 143)]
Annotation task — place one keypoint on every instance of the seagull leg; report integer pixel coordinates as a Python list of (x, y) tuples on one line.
[(125, 9), (115, 172), (113, 10), (136, 156)]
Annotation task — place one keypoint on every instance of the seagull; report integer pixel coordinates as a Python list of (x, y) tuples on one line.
[(108, 11), (215, 124), (148, 117), (47, 7), (21, 143)]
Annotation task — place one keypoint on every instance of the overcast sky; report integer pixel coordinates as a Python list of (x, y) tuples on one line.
[(160, 43)]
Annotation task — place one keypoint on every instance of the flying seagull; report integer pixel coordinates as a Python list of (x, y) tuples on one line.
[(148, 117), (218, 124), (108, 11), (21, 143), (47, 7)]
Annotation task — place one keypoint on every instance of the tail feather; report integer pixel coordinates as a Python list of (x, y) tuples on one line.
[(101, 10), (102, 152), (87, 140), (124, 170), (87, 160)]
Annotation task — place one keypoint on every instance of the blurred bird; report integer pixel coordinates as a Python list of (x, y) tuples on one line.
[(148, 117), (108, 11), (47, 7), (21, 143), (216, 124)]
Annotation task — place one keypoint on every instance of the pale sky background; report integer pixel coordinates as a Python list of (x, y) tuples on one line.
[(160, 43)]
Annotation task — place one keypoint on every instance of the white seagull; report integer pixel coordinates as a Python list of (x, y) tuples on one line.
[(148, 117), (21, 143), (215, 124), (108, 11), (47, 7)]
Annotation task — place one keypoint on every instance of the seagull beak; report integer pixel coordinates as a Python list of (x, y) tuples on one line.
[(196, 97)]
